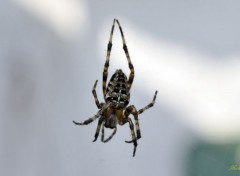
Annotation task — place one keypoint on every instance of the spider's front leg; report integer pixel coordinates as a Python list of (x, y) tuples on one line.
[(86, 122)]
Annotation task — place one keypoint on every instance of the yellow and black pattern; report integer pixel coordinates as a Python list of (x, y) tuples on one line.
[(115, 110)]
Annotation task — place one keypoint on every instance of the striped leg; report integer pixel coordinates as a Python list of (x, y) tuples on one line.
[(106, 65), (86, 122), (103, 131), (100, 121), (133, 136), (131, 76), (110, 137), (132, 110), (99, 105), (149, 105)]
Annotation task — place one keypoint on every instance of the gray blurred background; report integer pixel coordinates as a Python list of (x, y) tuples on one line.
[(51, 53)]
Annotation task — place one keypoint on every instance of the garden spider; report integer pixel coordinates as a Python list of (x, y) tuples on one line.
[(117, 95)]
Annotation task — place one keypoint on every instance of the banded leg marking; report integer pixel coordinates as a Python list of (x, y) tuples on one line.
[(102, 139), (133, 136), (86, 122), (149, 105), (99, 105), (131, 76), (110, 137), (106, 65), (132, 110), (100, 121)]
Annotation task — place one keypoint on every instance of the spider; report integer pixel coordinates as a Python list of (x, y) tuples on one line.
[(117, 96)]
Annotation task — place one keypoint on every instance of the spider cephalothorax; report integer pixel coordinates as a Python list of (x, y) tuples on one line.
[(117, 95)]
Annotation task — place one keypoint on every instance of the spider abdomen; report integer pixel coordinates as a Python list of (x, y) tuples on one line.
[(118, 94)]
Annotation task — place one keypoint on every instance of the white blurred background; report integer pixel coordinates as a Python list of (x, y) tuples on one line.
[(51, 53)]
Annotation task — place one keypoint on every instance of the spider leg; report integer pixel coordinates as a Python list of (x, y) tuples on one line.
[(100, 121), (131, 76), (99, 105), (133, 136), (106, 65), (110, 137), (86, 122), (103, 131), (132, 110), (149, 105)]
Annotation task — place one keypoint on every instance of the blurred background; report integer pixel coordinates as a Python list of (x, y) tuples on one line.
[(51, 53)]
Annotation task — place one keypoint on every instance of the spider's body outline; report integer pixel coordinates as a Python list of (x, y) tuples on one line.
[(115, 110), (118, 94)]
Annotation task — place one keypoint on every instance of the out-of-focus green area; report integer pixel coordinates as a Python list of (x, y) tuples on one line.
[(215, 160)]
